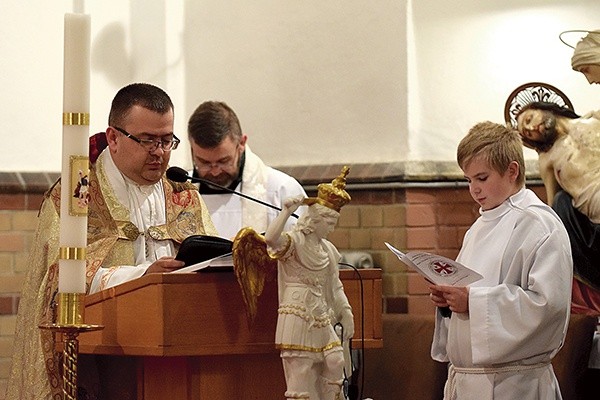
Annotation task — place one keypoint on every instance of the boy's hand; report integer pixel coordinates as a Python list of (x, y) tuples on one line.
[(456, 298)]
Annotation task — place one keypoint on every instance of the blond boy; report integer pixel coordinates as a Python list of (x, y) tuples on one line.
[(504, 329)]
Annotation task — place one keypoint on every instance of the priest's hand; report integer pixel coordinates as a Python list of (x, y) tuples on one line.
[(456, 298), (164, 264)]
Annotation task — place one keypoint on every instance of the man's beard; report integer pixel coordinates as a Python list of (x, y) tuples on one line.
[(223, 179), (547, 137), (550, 134)]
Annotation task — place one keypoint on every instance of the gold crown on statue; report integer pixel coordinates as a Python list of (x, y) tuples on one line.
[(332, 195)]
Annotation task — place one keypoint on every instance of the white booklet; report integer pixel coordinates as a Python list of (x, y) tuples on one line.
[(437, 269), (224, 262)]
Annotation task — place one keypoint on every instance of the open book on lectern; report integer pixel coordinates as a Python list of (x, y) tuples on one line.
[(220, 263), (204, 252), (437, 269)]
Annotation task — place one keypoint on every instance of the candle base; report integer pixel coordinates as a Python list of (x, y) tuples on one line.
[(71, 308), (70, 354)]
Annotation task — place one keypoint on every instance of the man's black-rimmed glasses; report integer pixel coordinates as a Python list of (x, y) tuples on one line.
[(150, 144)]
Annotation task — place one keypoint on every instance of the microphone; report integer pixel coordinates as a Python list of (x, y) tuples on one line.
[(178, 174)]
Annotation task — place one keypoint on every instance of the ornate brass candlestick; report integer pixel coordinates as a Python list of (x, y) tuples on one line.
[(74, 202), (71, 308)]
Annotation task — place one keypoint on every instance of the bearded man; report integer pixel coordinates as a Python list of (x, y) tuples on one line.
[(221, 155), (568, 148)]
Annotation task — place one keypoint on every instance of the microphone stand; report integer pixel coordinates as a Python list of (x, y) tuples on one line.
[(177, 173)]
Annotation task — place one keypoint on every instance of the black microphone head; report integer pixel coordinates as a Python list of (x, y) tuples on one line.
[(177, 174)]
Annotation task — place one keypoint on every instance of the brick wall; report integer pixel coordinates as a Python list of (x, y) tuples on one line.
[(428, 219), (427, 216)]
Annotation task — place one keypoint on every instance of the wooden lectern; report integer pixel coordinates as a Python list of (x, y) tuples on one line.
[(186, 336)]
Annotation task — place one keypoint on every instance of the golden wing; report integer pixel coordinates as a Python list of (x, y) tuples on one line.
[(253, 266)]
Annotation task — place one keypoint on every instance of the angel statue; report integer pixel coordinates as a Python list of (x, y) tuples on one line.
[(312, 302)]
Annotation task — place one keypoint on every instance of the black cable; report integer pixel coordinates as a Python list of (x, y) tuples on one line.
[(362, 332), (345, 381)]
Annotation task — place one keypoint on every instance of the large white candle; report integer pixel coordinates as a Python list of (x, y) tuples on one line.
[(75, 148)]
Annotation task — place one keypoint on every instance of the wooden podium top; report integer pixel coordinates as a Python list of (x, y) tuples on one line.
[(203, 313)]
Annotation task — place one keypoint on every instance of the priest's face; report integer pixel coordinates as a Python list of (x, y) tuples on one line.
[(219, 164), (537, 125), (488, 187), (591, 72), (142, 165)]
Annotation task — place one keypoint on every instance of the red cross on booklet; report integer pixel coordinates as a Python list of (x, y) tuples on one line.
[(437, 269)]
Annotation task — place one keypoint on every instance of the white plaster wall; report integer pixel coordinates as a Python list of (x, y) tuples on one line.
[(312, 81)]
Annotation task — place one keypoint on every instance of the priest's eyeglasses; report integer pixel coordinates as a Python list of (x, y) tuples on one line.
[(152, 144)]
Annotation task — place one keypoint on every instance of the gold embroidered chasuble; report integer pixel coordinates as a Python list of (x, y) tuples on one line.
[(36, 367)]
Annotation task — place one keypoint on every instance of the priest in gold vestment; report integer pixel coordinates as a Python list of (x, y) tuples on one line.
[(136, 220)]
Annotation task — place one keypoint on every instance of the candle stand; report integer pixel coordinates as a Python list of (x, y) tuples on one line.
[(74, 203), (70, 324)]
